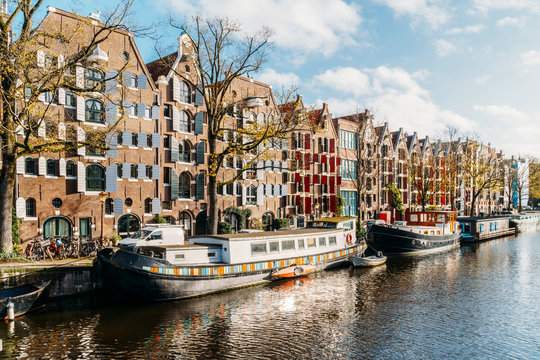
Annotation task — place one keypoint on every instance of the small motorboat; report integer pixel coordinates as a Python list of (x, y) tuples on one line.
[(23, 298), (368, 261), (293, 271)]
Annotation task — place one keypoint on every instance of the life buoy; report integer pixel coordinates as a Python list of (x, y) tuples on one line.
[(349, 239)]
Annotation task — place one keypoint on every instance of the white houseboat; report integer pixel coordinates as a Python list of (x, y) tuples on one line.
[(525, 221), (212, 263)]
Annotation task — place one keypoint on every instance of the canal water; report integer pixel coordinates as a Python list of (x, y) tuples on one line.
[(476, 302)]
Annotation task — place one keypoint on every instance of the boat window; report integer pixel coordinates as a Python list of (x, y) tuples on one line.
[(322, 241), (311, 243), (211, 254), (141, 234), (274, 246), (348, 225), (438, 232), (332, 240), (259, 248), (425, 232), (440, 218), (301, 244), (287, 245), (322, 224), (179, 257), (414, 217), (432, 232)]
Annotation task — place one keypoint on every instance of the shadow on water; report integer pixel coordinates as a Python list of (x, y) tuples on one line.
[(478, 301)]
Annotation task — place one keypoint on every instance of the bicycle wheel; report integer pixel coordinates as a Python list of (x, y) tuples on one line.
[(60, 252)]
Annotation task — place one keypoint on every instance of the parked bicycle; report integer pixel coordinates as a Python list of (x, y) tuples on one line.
[(56, 247), (38, 249)]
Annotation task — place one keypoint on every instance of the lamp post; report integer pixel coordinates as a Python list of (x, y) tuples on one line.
[(102, 197)]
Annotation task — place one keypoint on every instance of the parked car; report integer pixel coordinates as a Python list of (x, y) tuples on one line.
[(152, 235)]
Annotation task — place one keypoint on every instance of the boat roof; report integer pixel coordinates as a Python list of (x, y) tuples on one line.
[(268, 234), (472, 218), (335, 219)]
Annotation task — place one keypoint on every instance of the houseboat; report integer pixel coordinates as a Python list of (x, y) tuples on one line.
[(212, 263), (525, 221), (422, 232), (482, 228)]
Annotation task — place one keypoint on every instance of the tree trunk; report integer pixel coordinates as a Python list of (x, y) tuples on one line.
[(7, 182), (212, 190)]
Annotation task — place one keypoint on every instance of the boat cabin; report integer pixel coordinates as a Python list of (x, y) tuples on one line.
[(485, 227), (431, 218)]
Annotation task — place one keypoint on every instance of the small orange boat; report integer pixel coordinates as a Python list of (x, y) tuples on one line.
[(293, 271)]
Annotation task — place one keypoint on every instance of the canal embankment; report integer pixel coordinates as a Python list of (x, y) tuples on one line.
[(68, 277)]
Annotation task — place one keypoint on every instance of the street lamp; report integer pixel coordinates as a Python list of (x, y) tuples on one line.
[(102, 197)]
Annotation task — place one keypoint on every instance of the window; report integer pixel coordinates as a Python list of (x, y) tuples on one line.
[(184, 151), (185, 122), (109, 206), (229, 189), (70, 99), (128, 202), (95, 178), (322, 241), (251, 195), (51, 167), (134, 139), (148, 171), (70, 168), (57, 203), (97, 139), (166, 175), (167, 111), (30, 207), (133, 173), (185, 92), (147, 112), (311, 243), (301, 244), (131, 110), (147, 206), (332, 240), (148, 140), (94, 111), (258, 248), (132, 81), (51, 130), (94, 79), (166, 205), (50, 97), (118, 171), (167, 141), (274, 246), (184, 186), (287, 245), (30, 166)]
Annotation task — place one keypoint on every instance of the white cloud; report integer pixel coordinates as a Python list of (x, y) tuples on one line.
[(279, 80), (419, 10), (482, 80), (303, 26), (444, 47), (512, 21), (519, 5), (512, 130), (471, 29), (530, 58), (348, 80), (396, 96)]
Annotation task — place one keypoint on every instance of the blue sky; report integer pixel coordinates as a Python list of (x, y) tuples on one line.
[(418, 64)]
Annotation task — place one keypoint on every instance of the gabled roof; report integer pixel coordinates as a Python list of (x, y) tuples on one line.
[(159, 67)]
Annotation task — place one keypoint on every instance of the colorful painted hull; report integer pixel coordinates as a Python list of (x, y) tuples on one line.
[(392, 241), (154, 279)]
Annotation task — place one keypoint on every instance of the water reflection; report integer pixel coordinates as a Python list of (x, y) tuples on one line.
[(479, 301)]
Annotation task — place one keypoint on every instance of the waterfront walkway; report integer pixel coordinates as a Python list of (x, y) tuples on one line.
[(46, 264)]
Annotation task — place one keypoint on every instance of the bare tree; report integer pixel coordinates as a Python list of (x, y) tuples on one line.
[(34, 65), (520, 177), (221, 54), (424, 180)]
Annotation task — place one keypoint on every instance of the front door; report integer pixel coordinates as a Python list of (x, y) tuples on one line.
[(85, 227)]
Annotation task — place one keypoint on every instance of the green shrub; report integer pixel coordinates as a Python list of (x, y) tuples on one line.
[(255, 224), (224, 228), (281, 223), (158, 220)]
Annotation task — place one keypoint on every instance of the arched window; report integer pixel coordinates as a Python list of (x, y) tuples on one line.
[(128, 224), (184, 151), (147, 206), (109, 206), (30, 166), (133, 174), (94, 111), (30, 207), (94, 79), (71, 170), (185, 122), (185, 92), (95, 178), (51, 167), (251, 195), (184, 219), (184, 185)]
